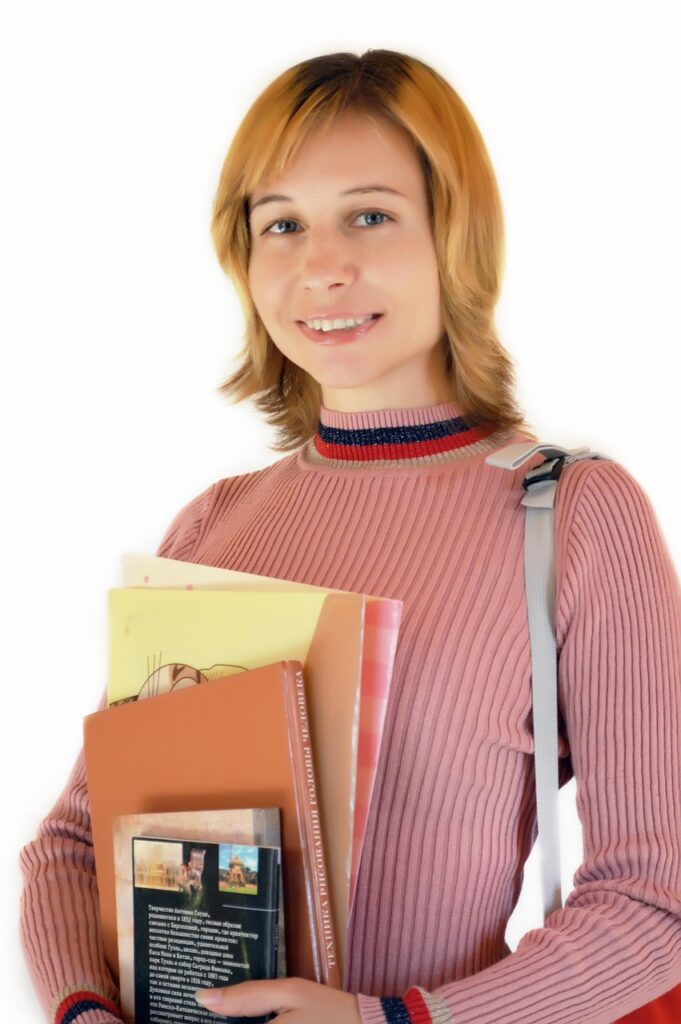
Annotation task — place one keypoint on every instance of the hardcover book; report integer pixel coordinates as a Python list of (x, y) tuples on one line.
[(249, 828), (239, 741)]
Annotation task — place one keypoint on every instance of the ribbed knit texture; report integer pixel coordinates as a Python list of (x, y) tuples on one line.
[(452, 819), (414, 435)]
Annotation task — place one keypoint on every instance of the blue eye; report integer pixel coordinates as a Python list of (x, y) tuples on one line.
[(373, 213), (288, 220), (268, 230)]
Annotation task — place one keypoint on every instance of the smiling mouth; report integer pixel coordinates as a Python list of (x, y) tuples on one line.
[(374, 316), (341, 334)]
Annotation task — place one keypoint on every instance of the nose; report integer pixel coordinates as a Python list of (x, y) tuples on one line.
[(326, 261)]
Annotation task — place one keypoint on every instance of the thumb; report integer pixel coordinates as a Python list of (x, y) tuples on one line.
[(246, 999)]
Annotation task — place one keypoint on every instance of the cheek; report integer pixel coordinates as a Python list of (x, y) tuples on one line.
[(267, 288), (255, 283), (412, 266), (260, 276), (426, 283)]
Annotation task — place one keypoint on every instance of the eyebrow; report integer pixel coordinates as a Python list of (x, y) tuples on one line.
[(273, 198)]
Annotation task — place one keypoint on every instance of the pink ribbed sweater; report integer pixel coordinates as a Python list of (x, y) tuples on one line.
[(452, 819)]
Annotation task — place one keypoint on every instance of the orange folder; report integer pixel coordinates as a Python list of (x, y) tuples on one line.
[(239, 741)]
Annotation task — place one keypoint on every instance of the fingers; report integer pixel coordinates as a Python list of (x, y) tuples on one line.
[(249, 998)]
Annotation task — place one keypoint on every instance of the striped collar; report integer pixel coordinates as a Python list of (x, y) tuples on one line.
[(421, 434)]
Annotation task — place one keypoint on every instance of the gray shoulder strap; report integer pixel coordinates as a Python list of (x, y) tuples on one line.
[(540, 485)]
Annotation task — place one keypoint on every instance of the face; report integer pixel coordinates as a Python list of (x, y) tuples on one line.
[(317, 252)]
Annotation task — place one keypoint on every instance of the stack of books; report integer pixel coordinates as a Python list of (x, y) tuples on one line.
[(230, 778)]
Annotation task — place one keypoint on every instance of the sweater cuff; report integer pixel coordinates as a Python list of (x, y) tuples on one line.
[(75, 1005), (417, 1007)]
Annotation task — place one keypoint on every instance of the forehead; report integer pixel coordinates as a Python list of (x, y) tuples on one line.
[(345, 157)]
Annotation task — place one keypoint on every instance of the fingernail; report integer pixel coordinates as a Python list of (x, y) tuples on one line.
[(207, 997)]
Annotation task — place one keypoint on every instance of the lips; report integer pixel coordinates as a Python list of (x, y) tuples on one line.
[(340, 336)]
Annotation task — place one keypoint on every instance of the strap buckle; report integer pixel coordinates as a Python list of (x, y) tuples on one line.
[(549, 470)]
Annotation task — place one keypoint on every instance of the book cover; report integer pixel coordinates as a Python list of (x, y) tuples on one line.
[(205, 916), (250, 826), (161, 639), (241, 741)]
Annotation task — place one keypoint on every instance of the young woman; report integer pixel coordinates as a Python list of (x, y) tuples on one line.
[(358, 217)]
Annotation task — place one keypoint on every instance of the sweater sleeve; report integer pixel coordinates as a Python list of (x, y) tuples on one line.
[(181, 537), (615, 945), (59, 911)]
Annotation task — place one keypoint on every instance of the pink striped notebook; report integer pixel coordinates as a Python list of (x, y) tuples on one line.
[(381, 622)]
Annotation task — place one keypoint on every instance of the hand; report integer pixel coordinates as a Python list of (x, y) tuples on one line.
[(303, 1001)]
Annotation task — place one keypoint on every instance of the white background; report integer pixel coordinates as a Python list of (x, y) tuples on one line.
[(118, 324)]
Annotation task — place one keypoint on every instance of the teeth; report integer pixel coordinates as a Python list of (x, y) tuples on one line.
[(335, 325)]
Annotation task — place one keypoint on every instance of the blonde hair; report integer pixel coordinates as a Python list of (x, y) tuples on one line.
[(465, 215)]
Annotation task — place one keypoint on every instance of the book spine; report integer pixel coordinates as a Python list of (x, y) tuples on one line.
[(273, 903), (314, 860)]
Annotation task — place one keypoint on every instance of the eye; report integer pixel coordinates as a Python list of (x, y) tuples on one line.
[(374, 213), (288, 220), (268, 230)]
